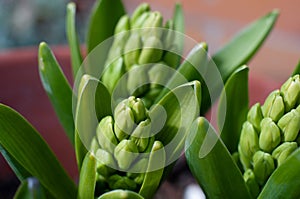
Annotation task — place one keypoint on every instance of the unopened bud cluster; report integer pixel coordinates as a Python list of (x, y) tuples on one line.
[(123, 140), (140, 40), (270, 134)]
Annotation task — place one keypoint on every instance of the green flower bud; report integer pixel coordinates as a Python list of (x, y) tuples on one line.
[(291, 92), (152, 50), (255, 116), (137, 77), (121, 182), (105, 163), (132, 50), (263, 166), (152, 25), (138, 23), (140, 135), (273, 106), (123, 24), (171, 58), (290, 125), (168, 34), (139, 11), (248, 140), (113, 73), (283, 151), (138, 108), (105, 134), (159, 73), (124, 121), (244, 160), (251, 183), (269, 136), (125, 153)]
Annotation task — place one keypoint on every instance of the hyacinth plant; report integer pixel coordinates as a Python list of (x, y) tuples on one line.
[(134, 97)]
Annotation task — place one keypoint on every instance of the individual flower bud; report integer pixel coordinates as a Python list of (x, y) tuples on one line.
[(140, 135), (113, 73), (137, 83), (125, 153), (248, 140), (123, 24), (121, 182), (291, 92), (152, 26), (138, 108), (138, 23), (244, 160), (269, 136), (152, 50), (255, 116), (105, 134), (138, 178), (159, 74), (290, 125), (263, 166), (282, 152), (140, 10), (251, 183), (168, 34), (124, 121), (105, 163), (132, 50), (273, 106)]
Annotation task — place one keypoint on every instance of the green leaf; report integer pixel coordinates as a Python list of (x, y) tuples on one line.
[(178, 19), (174, 114), (152, 179), (57, 88), (94, 103), (211, 163), (233, 107), (76, 57), (87, 179), (103, 20), (27, 147), (30, 189), (285, 181), (243, 46), (121, 194), (297, 69)]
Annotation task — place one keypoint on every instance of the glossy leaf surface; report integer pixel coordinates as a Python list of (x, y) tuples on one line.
[(57, 88), (233, 108), (121, 194), (27, 147), (211, 163), (30, 189)]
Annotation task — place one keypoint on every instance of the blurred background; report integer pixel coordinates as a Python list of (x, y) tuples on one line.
[(25, 23)]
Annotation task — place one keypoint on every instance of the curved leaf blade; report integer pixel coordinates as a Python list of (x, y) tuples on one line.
[(214, 170), (57, 88), (124, 194), (104, 18), (243, 46), (178, 19), (297, 69), (27, 147), (233, 107), (76, 57), (285, 181), (87, 179)]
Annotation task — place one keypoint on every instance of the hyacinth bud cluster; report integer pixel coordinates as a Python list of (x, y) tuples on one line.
[(140, 40), (123, 142), (270, 134)]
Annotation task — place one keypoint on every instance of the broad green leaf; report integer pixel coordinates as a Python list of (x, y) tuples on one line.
[(211, 163), (87, 179), (30, 189), (152, 179), (244, 45), (18, 169), (173, 115), (285, 181), (191, 69), (27, 147), (57, 88), (297, 69), (76, 57), (103, 20), (93, 103), (121, 194), (178, 19), (233, 107)]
